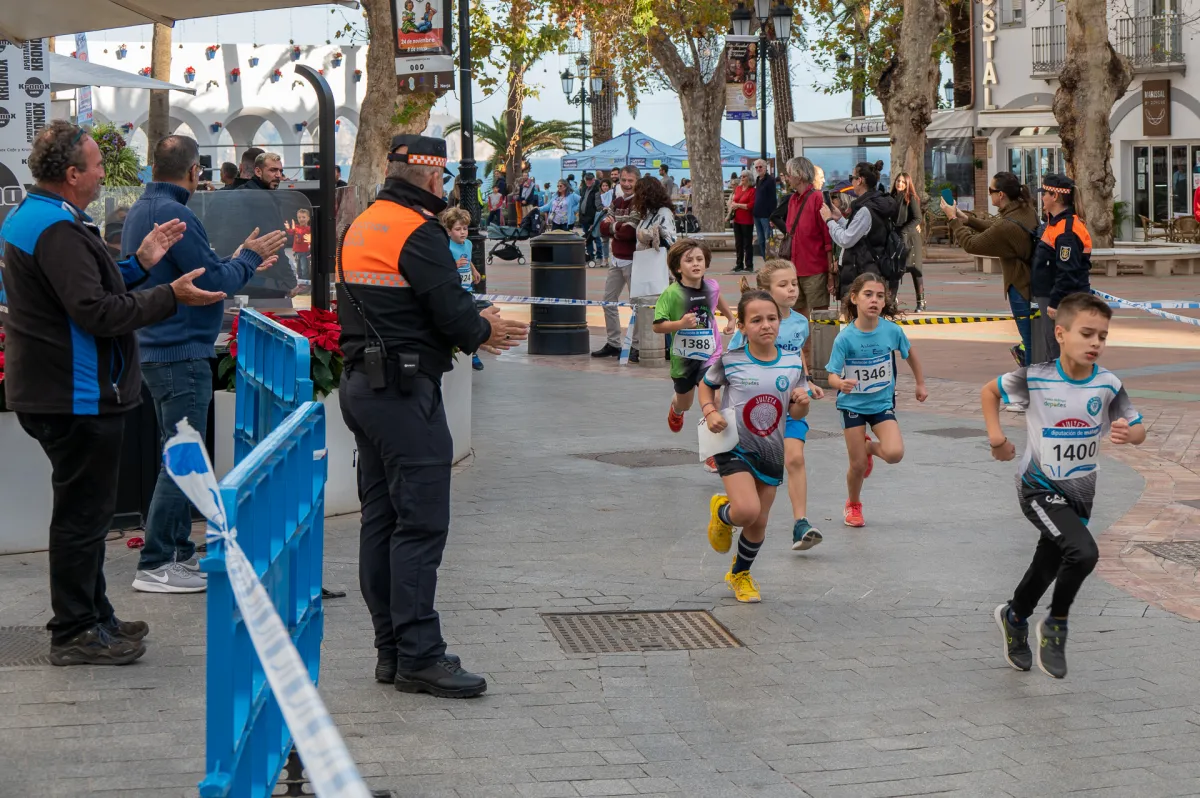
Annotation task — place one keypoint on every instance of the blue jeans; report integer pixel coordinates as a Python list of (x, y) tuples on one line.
[(1020, 308), (180, 390), (762, 228)]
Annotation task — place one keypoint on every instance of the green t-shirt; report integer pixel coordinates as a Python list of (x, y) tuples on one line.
[(678, 301)]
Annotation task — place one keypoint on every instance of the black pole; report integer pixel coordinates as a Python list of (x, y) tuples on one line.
[(468, 180), (762, 59), (742, 126), (324, 242), (583, 118)]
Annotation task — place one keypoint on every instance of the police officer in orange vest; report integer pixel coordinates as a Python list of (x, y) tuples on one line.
[(403, 310), (1061, 261)]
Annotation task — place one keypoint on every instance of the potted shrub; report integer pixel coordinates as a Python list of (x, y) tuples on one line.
[(215, 127), (144, 72), (295, 52), (275, 76), (336, 58), (253, 60), (357, 75), (122, 51), (210, 52), (234, 74), (189, 75)]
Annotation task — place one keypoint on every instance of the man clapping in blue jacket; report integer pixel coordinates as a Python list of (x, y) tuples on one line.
[(175, 353)]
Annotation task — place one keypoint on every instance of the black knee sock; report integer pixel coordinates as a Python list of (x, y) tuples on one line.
[(746, 552), (723, 513)]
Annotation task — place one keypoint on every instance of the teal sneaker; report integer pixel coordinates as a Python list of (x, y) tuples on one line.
[(804, 535)]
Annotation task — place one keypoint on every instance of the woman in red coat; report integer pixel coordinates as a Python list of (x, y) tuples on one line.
[(742, 205)]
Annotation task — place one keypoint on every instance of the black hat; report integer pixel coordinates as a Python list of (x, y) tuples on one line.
[(1056, 184), (422, 151)]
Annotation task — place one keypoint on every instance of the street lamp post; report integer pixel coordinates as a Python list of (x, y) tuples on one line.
[(780, 17), (468, 176), (587, 93)]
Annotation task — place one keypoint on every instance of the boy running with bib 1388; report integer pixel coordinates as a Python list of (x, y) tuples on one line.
[(687, 312), (1071, 402), (862, 368), (762, 384), (778, 277)]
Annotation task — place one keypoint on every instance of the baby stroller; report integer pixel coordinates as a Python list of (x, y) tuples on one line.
[(507, 237)]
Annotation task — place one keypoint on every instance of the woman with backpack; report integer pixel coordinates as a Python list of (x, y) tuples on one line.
[(864, 231)]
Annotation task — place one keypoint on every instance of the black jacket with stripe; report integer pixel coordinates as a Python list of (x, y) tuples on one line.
[(70, 319)]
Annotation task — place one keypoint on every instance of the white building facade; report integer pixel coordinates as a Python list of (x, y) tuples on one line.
[(1019, 48)]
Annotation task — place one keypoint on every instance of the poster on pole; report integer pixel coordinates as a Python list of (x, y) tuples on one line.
[(424, 60), (83, 97), (24, 110), (741, 77)]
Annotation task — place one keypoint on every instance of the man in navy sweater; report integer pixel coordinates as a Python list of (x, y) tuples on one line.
[(766, 199), (175, 353)]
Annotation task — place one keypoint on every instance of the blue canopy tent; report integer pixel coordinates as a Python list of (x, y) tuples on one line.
[(732, 155), (631, 148)]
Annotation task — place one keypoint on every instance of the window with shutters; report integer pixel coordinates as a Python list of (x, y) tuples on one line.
[(1012, 13)]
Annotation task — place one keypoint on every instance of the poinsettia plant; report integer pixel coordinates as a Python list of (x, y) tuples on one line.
[(322, 330)]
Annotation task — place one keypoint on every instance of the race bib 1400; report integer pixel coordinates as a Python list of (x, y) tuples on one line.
[(1069, 452)]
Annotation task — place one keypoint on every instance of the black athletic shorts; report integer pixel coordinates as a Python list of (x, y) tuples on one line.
[(693, 375)]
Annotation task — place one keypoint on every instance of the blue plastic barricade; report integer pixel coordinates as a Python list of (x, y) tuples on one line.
[(274, 500), (272, 379)]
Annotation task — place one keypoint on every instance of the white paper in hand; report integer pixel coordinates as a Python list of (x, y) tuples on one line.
[(717, 442)]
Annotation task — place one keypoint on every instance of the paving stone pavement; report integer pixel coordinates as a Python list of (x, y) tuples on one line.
[(872, 667)]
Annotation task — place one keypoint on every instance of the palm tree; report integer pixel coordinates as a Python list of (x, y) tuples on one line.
[(535, 137)]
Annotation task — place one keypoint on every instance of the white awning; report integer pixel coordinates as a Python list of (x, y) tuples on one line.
[(71, 73), (35, 20), (945, 124), (1034, 116)]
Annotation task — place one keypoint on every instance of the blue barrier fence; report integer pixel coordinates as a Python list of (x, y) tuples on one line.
[(274, 498), (272, 379)]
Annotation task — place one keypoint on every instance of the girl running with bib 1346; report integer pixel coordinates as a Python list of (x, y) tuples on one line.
[(761, 383), (778, 277), (687, 312), (862, 367)]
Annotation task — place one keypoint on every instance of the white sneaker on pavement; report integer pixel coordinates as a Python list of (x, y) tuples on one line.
[(170, 578), (1015, 408)]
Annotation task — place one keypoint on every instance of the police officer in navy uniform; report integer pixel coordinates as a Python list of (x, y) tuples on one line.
[(403, 310), (1062, 262)]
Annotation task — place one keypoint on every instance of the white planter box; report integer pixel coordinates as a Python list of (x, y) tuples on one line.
[(25, 491), (341, 489)]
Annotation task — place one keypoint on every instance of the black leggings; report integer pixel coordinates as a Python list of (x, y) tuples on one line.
[(1066, 554), (743, 239), (918, 282)]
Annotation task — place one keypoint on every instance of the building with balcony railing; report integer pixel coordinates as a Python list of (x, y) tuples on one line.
[(1152, 43)]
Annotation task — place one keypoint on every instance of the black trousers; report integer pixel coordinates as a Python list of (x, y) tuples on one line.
[(1043, 342), (404, 458), (743, 240), (1066, 554), (85, 459)]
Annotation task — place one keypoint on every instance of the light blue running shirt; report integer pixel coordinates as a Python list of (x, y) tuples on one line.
[(868, 357), (793, 332)]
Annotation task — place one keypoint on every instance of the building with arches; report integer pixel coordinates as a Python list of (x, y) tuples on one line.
[(263, 103)]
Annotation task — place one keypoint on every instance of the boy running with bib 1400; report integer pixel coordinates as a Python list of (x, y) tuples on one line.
[(778, 277), (687, 311), (1071, 402), (862, 367), (762, 384)]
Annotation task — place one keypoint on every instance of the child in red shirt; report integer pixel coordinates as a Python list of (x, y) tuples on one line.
[(301, 234)]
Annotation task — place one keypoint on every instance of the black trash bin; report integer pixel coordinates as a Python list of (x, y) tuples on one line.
[(557, 269)]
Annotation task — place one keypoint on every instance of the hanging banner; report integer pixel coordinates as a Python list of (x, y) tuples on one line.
[(741, 77), (24, 110), (83, 96), (424, 60)]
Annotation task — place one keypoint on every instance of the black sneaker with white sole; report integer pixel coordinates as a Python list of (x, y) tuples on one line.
[(1052, 647), (1015, 640)]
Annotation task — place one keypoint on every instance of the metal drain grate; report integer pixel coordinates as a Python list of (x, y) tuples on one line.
[(645, 458), (24, 645), (620, 632), (1184, 552), (955, 432)]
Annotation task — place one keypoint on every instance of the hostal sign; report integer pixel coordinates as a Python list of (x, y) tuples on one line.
[(989, 53)]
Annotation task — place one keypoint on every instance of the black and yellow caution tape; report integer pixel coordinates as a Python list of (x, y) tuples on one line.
[(939, 319)]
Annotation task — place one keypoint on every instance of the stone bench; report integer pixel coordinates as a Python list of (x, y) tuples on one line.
[(716, 241)]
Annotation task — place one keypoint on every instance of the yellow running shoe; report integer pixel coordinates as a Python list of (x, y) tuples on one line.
[(744, 588), (720, 534)]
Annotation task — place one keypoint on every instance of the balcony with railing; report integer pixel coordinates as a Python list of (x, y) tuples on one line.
[(1152, 43)]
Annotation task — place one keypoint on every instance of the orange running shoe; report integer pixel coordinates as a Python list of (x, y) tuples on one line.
[(854, 515), (674, 419), (870, 462), (710, 465)]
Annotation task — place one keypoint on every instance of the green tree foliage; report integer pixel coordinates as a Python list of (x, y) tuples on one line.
[(535, 137)]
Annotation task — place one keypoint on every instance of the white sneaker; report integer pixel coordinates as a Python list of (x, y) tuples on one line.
[(170, 578), (1015, 408)]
